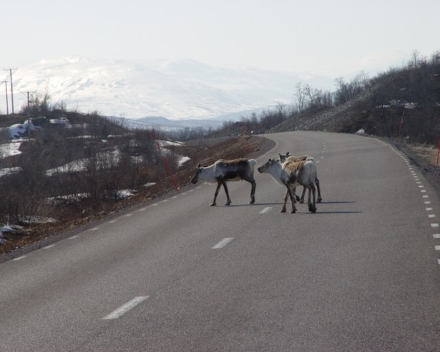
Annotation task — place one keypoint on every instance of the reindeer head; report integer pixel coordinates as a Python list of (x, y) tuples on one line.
[(268, 165), (195, 178)]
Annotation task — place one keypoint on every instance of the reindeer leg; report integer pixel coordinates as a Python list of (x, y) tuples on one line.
[(285, 201), (292, 194), (312, 206), (302, 196), (297, 198), (254, 186), (319, 190), (226, 191), (216, 194)]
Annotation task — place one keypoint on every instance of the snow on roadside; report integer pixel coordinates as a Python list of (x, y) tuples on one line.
[(9, 149)]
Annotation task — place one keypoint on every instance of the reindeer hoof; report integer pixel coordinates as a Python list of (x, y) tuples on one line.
[(252, 201), (283, 211), (212, 205), (312, 209), (297, 198), (301, 201), (228, 203), (293, 211), (319, 200)]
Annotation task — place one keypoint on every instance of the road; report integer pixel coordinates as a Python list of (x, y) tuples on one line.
[(361, 274)]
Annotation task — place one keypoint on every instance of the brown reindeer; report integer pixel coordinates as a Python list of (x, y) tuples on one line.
[(287, 156), (290, 174)]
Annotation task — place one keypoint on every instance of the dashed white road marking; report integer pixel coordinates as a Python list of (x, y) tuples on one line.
[(73, 237), (223, 243), (174, 197), (437, 248), (142, 209), (49, 246), (431, 216), (434, 225), (265, 210), (128, 215), (436, 235), (112, 221), (19, 258), (94, 229), (428, 209), (125, 308)]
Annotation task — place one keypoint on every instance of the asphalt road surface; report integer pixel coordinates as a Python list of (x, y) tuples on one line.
[(361, 274)]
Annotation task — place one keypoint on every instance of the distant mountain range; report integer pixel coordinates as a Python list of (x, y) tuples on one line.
[(176, 90)]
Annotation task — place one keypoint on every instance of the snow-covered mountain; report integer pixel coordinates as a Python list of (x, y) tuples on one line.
[(183, 89)]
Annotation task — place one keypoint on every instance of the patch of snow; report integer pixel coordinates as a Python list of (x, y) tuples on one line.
[(10, 149), (183, 160), (20, 130), (9, 171)]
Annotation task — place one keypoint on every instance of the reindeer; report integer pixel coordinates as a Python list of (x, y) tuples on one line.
[(227, 170), (287, 156), (290, 174)]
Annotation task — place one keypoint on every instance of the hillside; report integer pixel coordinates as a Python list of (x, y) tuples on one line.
[(401, 103)]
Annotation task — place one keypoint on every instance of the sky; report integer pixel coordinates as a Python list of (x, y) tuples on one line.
[(333, 38)]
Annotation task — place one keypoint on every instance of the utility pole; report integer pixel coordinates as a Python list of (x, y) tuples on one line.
[(29, 114), (12, 89), (7, 103)]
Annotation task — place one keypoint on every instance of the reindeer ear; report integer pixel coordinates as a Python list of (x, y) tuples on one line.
[(198, 166), (287, 153)]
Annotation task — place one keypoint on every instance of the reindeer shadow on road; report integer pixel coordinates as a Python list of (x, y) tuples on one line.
[(299, 206)]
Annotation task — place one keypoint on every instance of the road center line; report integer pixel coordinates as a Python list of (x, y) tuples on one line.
[(265, 210), (19, 258), (223, 243), (125, 308)]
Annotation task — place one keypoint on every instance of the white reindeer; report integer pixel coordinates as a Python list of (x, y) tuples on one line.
[(287, 156), (227, 170), (290, 174)]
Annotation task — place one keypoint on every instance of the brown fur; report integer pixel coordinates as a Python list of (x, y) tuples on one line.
[(235, 161)]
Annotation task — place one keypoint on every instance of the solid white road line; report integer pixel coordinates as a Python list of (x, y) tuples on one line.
[(265, 210), (223, 243), (125, 308)]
